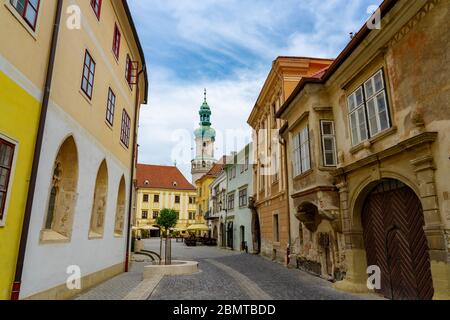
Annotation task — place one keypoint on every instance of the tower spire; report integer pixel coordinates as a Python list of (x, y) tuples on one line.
[(205, 96)]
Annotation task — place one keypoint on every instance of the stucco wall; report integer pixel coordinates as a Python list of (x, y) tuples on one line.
[(46, 264), (242, 215)]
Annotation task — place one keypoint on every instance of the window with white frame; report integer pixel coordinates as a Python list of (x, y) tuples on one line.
[(231, 201), (243, 199), (368, 109), (328, 143), (301, 157), (28, 9)]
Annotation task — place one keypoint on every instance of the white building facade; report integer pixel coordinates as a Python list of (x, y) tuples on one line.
[(236, 218)]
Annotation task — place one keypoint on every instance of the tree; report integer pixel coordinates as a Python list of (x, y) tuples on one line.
[(167, 219)]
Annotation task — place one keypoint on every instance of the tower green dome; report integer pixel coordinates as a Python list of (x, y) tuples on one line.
[(205, 130), (205, 113)]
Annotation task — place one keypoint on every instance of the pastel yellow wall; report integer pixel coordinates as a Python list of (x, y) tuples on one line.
[(97, 37), (166, 200), (24, 53), (203, 195), (19, 120)]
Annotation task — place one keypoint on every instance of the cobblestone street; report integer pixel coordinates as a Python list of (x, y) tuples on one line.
[(227, 275), (224, 275)]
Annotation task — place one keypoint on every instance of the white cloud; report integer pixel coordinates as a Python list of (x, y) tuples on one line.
[(226, 34), (174, 105)]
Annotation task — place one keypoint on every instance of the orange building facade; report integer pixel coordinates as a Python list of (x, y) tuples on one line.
[(270, 200)]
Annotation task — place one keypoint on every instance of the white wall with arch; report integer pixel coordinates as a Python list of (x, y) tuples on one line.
[(46, 263)]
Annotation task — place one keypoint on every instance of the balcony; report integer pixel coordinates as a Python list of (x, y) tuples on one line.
[(211, 216)]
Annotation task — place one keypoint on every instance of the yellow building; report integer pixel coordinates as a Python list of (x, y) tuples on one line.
[(22, 82), (203, 192), (163, 187), (70, 91)]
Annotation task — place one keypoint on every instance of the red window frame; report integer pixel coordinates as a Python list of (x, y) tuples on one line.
[(131, 71), (97, 7), (27, 5), (110, 107), (88, 75), (128, 68), (116, 41), (6, 169), (125, 130)]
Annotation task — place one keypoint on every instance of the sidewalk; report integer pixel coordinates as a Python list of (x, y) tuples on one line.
[(118, 287)]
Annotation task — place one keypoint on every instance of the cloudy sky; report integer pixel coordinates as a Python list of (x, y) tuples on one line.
[(226, 46)]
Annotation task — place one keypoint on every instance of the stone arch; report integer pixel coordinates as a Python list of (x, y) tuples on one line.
[(120, 209), (365, 188), (98, 214), (62, 193)]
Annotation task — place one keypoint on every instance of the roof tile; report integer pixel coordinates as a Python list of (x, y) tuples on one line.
[(161, 177)]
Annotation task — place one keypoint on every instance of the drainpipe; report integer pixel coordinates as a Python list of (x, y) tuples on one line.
[(15, 293), (288, 249), (133, 164)]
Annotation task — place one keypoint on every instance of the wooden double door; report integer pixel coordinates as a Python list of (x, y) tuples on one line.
[(395, 241)]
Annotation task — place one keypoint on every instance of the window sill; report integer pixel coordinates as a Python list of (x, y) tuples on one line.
[(52, 237), (84, 95), (303, 175), (124, 146), (109, 125), (95, 236), (118, 235), (21, 20), (327, 168), (116, 58), (379, 136)]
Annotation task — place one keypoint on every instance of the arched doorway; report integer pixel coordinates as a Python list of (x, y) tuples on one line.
[(222, 235), (215, 234), (256, 229), (230, 235), (243, 241), (392, 220)]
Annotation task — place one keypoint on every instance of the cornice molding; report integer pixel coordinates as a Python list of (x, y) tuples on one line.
[(423, 138)]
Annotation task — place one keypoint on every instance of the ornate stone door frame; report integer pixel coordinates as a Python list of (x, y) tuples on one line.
[(422, 181)]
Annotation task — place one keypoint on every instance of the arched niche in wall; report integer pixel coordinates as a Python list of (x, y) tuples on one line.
[(120, 209), (62, 194), (99, 204)]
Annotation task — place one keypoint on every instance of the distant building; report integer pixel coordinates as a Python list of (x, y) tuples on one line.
[(163, 187), (205, 137), (236, 219), (270, 174), (217, 202), (203, 191)]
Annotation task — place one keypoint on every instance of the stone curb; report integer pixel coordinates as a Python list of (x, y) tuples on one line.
[(145, 289)]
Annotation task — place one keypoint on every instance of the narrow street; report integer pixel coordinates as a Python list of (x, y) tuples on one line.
[(224, 275)]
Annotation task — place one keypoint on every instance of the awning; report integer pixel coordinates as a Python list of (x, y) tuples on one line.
[(178, 229), (146, 228), (198, 227)]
